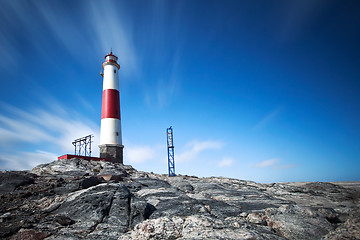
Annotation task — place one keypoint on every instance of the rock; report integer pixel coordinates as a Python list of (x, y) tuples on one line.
[(9, 181), (140, 211), (29, 234), (7, 230), (201, 227), (90, 182), (256, 218), (160, 228), (79, 167), (89, 207), (181, 183), (115, 177), (294, 222), (64, 221), (4, 216), (349, 230), (192, 227), (79, 199)]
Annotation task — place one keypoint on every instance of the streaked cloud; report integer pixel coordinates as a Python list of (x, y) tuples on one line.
[(25, 160), (169, 83), (194, 148), (48, 130), (93, 28), (85, 103), (135, 154), (267, 119), (226, 162), (90, 27), (140, 154), (267, 163), (111, 29), (274, 163)]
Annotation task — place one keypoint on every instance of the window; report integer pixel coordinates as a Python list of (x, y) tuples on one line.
[(117, 133), (114, 71)]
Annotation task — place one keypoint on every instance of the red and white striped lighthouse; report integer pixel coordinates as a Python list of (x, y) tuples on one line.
[(110, 132)]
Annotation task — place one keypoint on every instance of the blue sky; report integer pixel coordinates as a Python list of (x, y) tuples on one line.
[(260, 90)]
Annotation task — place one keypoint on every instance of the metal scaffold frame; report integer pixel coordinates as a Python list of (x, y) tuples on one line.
[(170, 144), (83, 146)]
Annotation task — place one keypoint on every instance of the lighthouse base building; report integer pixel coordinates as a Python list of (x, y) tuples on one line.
[(112, 152), (110, 132)]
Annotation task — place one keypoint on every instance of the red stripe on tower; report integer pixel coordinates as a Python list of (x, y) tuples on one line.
[(110, 104)]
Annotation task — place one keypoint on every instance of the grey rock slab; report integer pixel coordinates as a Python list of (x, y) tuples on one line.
[(181, 183), (11, 180), (88, 207), (315, 194), (196, 227), (294, 222)]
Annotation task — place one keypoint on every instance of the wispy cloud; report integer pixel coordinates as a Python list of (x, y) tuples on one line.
[(169, 83), (267, 119), (167, 62), (41, 129), (139, 154), (144, 153), (85, 28), (91, 29), (226, 162), (61, 25), (25, 160), (15, 15), (274, 163), (109, 31), (194, 148), (267, 163), (85, 103)]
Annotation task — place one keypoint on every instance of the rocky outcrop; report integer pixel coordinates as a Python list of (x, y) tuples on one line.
[(79, 199)]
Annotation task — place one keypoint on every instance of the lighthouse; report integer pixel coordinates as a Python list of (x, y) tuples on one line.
[(110, 132)]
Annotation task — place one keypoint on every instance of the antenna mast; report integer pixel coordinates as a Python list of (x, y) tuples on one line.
[(170, 144)]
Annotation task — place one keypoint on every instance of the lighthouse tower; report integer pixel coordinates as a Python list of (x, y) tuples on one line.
[(110, 132)]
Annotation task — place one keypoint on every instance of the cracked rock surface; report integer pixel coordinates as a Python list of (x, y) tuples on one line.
[(79, 199)]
